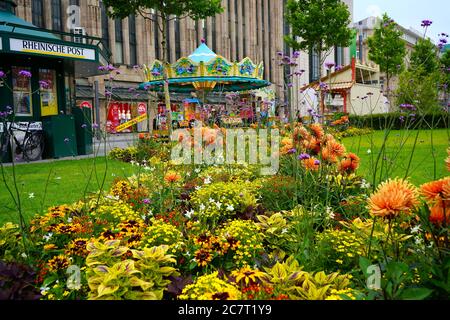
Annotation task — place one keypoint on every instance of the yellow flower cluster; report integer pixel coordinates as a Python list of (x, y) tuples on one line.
[(346, 244), (121, 189), (229, 173), (210, 287), (161, 233), (244, 239), (345, 294), (117, 209), (77, 247), (60, 262)]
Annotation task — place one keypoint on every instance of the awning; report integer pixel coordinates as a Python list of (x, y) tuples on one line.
[(18, 36), (334, 86)]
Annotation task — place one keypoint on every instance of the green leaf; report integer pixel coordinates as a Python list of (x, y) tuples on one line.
[(415, 293), (364, 264)]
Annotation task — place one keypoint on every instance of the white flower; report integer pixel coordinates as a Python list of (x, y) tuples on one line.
[(365, 184), (197, 170), (369, 151), (188, 174), (58, 178), (31, 195), (48, 236), (113, 174), (143, 217), (202, 207), (189, 214), (24, 255), (218, 205), (197, 188), (69, 220), (230, 207), (211, 200), (285, 230), (44, 290), (330, 213), (207, 180), (418, 240), (150, 213), (416, 229)]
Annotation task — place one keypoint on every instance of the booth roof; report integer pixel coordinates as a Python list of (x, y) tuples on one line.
[(8, 17)]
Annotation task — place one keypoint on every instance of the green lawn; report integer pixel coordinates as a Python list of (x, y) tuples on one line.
[(42, 185), (429, 150)]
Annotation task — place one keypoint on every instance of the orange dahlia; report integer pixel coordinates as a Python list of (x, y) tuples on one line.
[(349, 164), (317, 130), (172, 177), (437, 215), (392, 198), (335, 148), (311, 164), (327, 156), (436, 190)]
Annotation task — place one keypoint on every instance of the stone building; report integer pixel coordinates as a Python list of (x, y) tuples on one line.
[(252, 28)]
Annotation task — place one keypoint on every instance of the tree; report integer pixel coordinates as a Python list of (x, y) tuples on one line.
[(387, 49), (318, 25), (425, 56), (161, 12)]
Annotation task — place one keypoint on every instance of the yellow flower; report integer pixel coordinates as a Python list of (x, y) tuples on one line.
[(248, 275), (58, 263), (172, 177), (49, 247)]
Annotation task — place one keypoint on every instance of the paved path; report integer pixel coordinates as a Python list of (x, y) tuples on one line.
[(112, 141)]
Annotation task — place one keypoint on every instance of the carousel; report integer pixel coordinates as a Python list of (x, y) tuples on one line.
[(201, 74)]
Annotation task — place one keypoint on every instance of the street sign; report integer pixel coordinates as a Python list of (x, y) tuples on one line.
[(86, 104)]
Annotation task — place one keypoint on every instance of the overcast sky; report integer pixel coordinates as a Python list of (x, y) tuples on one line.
[(408, 13)]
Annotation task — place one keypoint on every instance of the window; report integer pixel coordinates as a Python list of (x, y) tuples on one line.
[(105, 27), (133, 41), (314, 67), (119, 41), (48, 92), (23, 104), (38, 13), (56, 15), (339, 56)]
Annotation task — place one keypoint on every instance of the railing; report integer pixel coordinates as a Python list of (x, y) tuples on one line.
[(90, 40)]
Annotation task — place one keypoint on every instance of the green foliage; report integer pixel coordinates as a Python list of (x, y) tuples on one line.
[(277, 193), (387, 48), (424, 58), (319, 24), (419, 87), (432, 120), (142, 278), (11, 245)]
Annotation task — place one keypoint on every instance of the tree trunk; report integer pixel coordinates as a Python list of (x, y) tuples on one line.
[(166, 74)]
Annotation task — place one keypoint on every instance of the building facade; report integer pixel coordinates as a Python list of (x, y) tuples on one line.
[(246, 28)]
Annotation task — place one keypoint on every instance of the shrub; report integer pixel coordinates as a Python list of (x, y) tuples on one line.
[(438, 120)]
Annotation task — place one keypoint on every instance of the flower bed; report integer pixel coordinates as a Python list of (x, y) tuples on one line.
[(315, 231)]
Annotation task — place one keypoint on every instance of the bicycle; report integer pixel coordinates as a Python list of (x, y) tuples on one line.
[(32, 145)]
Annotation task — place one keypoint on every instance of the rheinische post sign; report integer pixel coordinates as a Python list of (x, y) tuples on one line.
[(53, 49)]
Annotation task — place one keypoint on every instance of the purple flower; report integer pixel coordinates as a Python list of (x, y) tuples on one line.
[(304, 156), (329, 65), (131, 90), (2, 75), (402, 119), (426, 23), (339, 67), (25, 74), (407, 106), (95, 126), (317, 162), (108, 93), (280, 53), (290, 85), (146, 201), (296, 54), (102, 68), (44, 84), (323, 85), (292, 151), (110, 67)]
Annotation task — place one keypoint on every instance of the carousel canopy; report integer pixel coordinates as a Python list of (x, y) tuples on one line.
[(205, 70)]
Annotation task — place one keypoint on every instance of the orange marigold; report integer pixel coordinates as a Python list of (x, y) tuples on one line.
[(447, 161), (317, 130), (172, 177), (392, 198), (327, 157)]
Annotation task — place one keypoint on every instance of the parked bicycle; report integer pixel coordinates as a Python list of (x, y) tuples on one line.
[(31, 146)]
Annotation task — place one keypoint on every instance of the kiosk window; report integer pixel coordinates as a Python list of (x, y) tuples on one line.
[(23, 105), (49, 96)]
